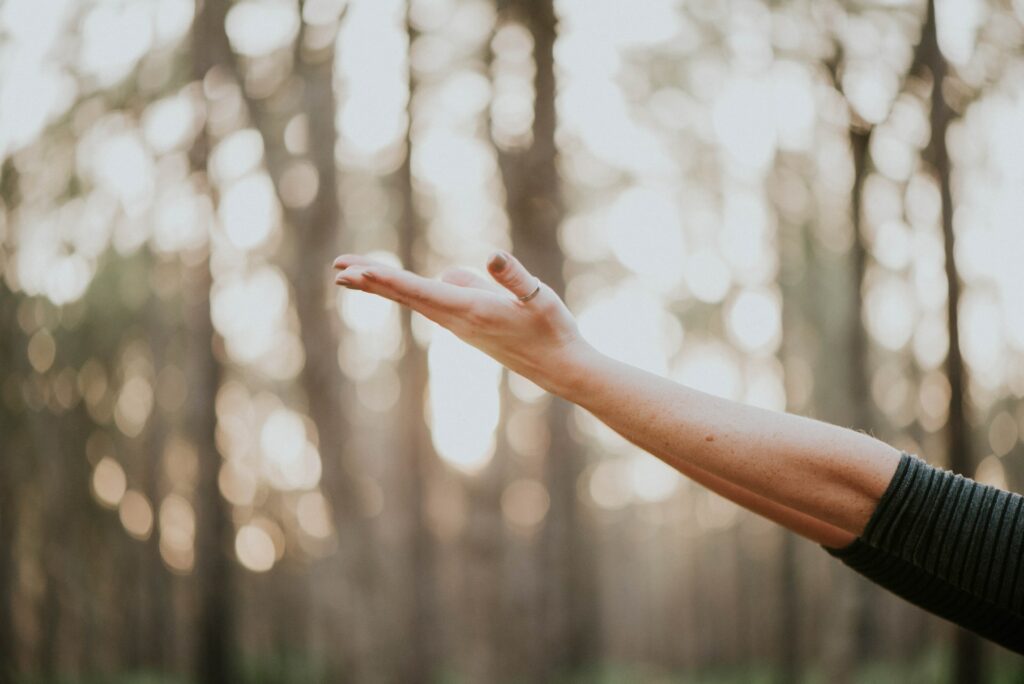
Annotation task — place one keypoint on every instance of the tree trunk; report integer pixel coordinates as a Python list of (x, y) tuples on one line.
[(417, 458), (308, 266), (11, 345), (8, 528), (794, 248), (848, 644), (316, 230), (12, 454), (790, 665), (969, 665), (535, 210), (214, 528), (157, 633), (44, 443)]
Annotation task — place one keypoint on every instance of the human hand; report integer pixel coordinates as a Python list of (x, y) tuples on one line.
[(537, 338)]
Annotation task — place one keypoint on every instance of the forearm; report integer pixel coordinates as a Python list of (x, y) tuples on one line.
[(805, 525), (828, 473)]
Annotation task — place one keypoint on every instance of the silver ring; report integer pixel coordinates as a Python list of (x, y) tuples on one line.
[(526, 298)]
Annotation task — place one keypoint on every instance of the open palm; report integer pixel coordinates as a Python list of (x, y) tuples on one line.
[(534, 338)]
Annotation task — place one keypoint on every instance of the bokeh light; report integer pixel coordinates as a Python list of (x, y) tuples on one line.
[(464, 404), (704, 156)]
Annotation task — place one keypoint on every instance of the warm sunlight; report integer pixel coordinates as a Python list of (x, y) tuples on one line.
[(227, 455)]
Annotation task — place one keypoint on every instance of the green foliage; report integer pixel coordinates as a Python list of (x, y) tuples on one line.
[(143, 677), (275, 668), (286, 668), (933, 666)]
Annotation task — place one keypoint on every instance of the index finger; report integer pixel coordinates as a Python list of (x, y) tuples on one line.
[(343, 261), (434, 299)]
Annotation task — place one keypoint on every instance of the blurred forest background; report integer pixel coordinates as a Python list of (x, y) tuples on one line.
[(217, 467)]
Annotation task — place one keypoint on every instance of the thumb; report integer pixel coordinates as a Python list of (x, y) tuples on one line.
[(510, 273)]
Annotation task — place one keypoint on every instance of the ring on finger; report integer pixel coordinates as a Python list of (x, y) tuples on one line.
[(526, 298)]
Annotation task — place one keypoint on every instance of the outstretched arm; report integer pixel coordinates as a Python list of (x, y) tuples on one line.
[(942, 541), (819, 480)]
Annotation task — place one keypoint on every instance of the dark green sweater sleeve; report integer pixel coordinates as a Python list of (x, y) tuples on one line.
[(949, 545)]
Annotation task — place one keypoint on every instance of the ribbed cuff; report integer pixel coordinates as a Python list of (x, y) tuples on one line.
[(950, 545), (897, 483)]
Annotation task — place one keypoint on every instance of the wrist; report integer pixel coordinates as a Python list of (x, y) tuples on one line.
[(571, 370)]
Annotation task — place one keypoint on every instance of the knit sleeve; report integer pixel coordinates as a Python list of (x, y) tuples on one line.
[(949, 545)]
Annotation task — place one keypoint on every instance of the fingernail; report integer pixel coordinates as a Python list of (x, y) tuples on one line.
[(369, 275), (498, 261), (343, 281)]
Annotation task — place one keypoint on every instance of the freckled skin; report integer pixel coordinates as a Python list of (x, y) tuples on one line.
[(819, 480)]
